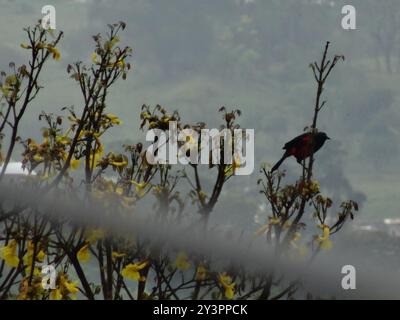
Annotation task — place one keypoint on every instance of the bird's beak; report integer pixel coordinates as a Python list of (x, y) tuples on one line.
[(328, 138)]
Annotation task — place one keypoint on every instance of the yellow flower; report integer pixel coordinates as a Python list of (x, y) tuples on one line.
[(9, 254), (201, 273), (264, 229), (274, 220), (94, 58), (314, 186), (228, 171), (32, 291), (182, 261), (113, 119), (227, 284), (11, 80), (75, 120), (5, 90), (65, 289), (140, 188), (72, 287), (56, 294), (75, 163), (120, 64), (202, 196), (100, 148), (39, 255), (54, 51), (190, 140), (95, 158), (110, 44), (28, 258), (41, 45), (23, 290), (159, 190), (118, 255), (236, 163), (287, 224), (190, 144), (119, 190), (323, 240), (121, 163), (38, 158), (63, 139), (132, 271), (84, 253), (152, 124), (94, 234)]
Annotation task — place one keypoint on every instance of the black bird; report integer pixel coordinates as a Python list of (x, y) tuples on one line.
[(302, 147)]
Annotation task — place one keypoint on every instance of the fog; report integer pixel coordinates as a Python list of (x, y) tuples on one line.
[(196, 56), (321, 278)]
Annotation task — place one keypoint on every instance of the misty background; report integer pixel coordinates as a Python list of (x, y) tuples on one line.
[(196, 56)]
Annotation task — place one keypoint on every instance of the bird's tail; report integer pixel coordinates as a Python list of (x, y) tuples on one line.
[(276, 166)]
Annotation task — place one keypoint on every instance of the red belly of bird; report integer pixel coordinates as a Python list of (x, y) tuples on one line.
[(302, 152)]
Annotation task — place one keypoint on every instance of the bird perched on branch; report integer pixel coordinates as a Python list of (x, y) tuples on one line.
[(302, 147)]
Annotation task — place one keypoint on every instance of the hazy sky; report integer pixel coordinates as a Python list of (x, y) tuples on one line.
[(196, 56)]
